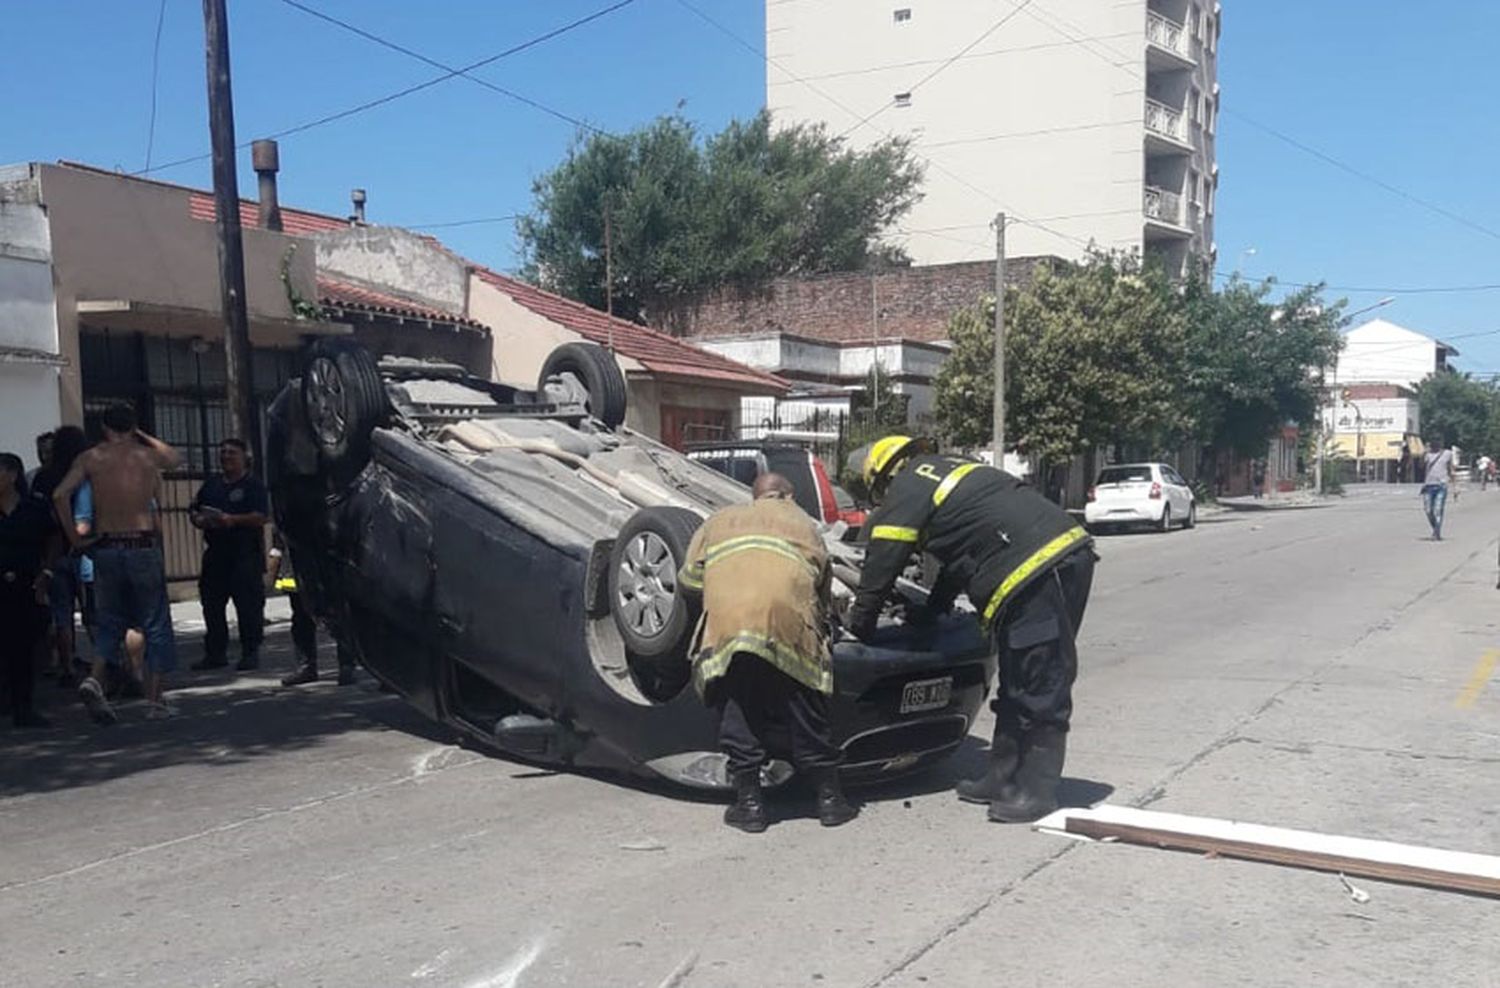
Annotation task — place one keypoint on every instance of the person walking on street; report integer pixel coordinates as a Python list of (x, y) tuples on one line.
[(762, 648), (1026, 565), (130, 585), (24, 528), (231, 511), (1483, 467), (1439, 474)]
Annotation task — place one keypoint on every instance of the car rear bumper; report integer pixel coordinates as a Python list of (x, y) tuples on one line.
[(1121, 514)]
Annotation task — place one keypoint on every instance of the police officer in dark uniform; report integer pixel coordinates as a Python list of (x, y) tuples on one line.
[(1026, 566), (232, 509)]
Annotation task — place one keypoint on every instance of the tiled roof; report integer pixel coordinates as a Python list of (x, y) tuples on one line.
[(297, 222), (345, 295), (655, 350)]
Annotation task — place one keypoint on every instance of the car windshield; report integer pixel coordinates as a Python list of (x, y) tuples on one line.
[(1124, 475)]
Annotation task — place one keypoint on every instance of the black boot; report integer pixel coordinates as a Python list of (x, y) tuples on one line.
[(833, 808), (749, 810), (305, 673), (1005, 755), (1032, 794)]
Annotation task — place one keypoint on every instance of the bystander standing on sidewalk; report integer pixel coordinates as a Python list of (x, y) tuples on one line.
[(130, 583), (24, 527), (68, 443), (231, 510)]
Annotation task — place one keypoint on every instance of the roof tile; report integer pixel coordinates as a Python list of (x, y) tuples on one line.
[(655, 350)]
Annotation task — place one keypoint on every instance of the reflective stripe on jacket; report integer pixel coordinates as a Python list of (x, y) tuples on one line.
[(763, 572), (992, 534)]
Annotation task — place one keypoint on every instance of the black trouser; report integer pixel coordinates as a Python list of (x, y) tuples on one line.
[(230, 575), (1038, 654), (759, 702), (304, 631), (22, 621)]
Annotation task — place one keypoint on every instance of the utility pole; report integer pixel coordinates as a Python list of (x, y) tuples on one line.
[(609, 279), (237, 365), (999, 341)]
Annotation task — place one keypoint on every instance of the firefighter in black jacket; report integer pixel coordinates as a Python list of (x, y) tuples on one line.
[(1026, 566)]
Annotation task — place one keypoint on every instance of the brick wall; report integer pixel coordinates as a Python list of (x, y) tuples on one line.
[(914, 303)]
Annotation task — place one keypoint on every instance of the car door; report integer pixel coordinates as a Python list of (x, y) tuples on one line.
[(1182, 494)]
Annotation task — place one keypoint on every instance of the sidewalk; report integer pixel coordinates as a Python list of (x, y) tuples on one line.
[(187, 615)]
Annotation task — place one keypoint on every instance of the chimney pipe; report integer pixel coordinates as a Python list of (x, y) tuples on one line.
[(358, 198), (266, 160)]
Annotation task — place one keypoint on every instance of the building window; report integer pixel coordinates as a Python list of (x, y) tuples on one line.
[(1195, 186), (1196, 105), (902, 15), (1195, 21), (903, 99), (1212, 115)]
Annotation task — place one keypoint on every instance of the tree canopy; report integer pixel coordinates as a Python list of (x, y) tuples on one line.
[(689, 214), (1457, 410), (1108, 352)]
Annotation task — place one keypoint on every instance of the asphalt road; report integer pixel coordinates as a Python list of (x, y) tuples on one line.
[(1313, 668)]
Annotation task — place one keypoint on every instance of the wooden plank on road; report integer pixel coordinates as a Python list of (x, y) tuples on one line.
[(1408, 864)]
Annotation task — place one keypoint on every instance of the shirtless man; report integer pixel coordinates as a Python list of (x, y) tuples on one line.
[(130, 586)]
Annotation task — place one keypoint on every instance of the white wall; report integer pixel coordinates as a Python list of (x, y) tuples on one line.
[(1385, 352), (1030, 121), (29, 397)]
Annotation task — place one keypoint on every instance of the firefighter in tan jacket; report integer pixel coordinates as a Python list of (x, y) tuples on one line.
[(761, 653)]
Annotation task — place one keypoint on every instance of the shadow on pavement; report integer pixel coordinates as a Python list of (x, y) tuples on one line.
[(221, 727), (224, 718)]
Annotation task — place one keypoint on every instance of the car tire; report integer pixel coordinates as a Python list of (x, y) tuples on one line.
[(1165, 525), (1192, 517), (654, 617), (344, 399), (599, 374)]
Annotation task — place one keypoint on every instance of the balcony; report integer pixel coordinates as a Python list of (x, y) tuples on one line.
[(1167, 43), (1166, 129), (1164, 214)]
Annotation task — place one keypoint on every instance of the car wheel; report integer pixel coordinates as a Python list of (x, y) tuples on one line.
[(1192, 517), (596, 372), (343, 399), (1165, 525), (654, 617)]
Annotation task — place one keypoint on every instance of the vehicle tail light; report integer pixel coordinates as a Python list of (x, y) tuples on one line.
[(827, 503), (1155, 491), (1093, 493)]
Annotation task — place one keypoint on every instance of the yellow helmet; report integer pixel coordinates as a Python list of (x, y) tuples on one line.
[(884, 455)]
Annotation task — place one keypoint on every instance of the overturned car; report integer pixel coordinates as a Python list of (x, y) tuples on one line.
[(507, 561)]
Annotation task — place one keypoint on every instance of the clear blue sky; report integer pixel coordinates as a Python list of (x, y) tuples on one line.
[(1404, 96)]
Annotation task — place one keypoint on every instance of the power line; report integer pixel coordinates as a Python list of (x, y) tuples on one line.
[(451, 223), (1286, 138), (1009, 15), (868, 70), (393, 46), (161, 18), (409, 90), (1365, 176), (1366, 290), (1030, 133)]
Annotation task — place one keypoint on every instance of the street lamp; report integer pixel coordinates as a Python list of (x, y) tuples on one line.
[(1370, 308)]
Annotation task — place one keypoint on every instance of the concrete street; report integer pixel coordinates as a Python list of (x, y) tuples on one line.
[(1311, 667)]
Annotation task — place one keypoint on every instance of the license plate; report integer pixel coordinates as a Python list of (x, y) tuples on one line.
[(926, 694)]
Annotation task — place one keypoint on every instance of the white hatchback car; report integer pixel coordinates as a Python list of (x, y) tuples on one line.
[(1140, 493)]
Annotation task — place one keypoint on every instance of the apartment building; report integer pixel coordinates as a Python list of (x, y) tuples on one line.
[(1085, 121)]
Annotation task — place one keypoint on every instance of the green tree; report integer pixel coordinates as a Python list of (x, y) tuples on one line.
[(688, 215), (1458, 410), (1094, 356), (1252, 365)]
